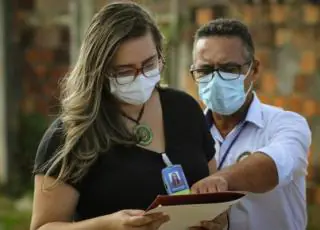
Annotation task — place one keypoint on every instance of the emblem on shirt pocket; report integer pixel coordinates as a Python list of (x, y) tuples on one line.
[(243, 155)]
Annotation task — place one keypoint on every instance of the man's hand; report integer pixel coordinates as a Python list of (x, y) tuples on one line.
[(219, 223), (210, 184)]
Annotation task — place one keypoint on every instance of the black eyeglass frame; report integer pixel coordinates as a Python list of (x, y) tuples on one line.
[(212, 70)]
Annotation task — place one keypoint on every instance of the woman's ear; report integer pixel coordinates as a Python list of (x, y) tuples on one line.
[(161, 64)]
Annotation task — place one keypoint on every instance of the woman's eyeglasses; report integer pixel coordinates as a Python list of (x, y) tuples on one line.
[(227, 72), (129, 74)]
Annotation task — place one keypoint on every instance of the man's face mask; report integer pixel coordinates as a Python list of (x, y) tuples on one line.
[(223, 95)]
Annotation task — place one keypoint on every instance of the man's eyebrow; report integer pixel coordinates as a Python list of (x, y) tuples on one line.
[(201, 66), (133, 65), (204, 66), (229, 63)]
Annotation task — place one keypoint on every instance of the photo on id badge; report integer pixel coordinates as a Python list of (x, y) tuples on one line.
[(174, 179)]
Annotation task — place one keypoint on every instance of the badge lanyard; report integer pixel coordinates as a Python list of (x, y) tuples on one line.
[(166, 160), (173, 177), (230, 146)]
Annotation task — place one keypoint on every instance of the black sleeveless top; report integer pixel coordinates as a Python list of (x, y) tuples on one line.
[(130, 177)]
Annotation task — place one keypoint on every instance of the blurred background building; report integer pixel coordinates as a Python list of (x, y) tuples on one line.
[(39, 42)]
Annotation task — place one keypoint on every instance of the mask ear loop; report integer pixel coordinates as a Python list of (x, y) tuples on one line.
[(250, 88), (251, 84)]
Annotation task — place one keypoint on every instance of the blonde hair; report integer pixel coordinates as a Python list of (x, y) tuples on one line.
[(90, 114)]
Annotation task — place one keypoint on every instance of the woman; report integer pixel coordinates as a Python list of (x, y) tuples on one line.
[(101, 157), (175, 180)]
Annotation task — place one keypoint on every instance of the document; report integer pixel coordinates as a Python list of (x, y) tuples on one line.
[(189, 210)]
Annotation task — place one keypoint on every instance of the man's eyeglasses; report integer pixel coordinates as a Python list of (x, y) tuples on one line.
[(128, 74), (227, 72)]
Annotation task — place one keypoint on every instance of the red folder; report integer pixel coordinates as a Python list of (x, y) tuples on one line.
[(206, 198), (189, 210)]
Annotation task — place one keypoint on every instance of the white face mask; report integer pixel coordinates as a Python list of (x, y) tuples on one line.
[(138, 91)]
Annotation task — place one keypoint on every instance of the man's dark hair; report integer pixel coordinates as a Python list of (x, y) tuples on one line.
[(225, 27)]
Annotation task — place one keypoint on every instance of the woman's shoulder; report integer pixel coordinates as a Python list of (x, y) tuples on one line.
[(178, 96), (53, 132), (50, 142)]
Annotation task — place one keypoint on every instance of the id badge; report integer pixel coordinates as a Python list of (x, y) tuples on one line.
[(175, 181)]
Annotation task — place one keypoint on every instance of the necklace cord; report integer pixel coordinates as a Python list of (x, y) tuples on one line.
[(137, 121)]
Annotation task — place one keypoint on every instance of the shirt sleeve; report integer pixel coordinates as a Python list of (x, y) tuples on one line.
[(289, 142), (49, 145)]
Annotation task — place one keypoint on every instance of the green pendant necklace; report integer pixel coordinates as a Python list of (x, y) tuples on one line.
[(143, 133)]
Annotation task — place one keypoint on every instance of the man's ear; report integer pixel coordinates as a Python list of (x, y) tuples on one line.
[(255, 70)]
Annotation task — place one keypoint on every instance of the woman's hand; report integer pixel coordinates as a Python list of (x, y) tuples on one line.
[(135, 220)]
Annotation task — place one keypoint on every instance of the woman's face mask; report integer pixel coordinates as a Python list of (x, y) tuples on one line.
[(224, 97), (139, 90)]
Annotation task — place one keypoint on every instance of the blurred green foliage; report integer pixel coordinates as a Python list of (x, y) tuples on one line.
[(31, 128), (10, 218)]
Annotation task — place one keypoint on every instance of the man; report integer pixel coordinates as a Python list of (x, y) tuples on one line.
[(261, 149)]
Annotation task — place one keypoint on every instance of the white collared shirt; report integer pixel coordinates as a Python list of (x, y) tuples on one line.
[(285, 137)]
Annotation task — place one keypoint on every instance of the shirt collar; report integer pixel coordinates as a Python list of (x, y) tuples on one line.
[(254, 114)]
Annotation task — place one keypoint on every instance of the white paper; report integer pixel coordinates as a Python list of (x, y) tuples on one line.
[(184, 216)]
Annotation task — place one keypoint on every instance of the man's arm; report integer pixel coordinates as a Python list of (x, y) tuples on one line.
[(212, 165), (276, 164), (257, 173)]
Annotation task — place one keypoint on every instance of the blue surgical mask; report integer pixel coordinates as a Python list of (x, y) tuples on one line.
[(221, 96)]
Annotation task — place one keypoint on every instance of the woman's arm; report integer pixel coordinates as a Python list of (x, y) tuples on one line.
[(54, 209)]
